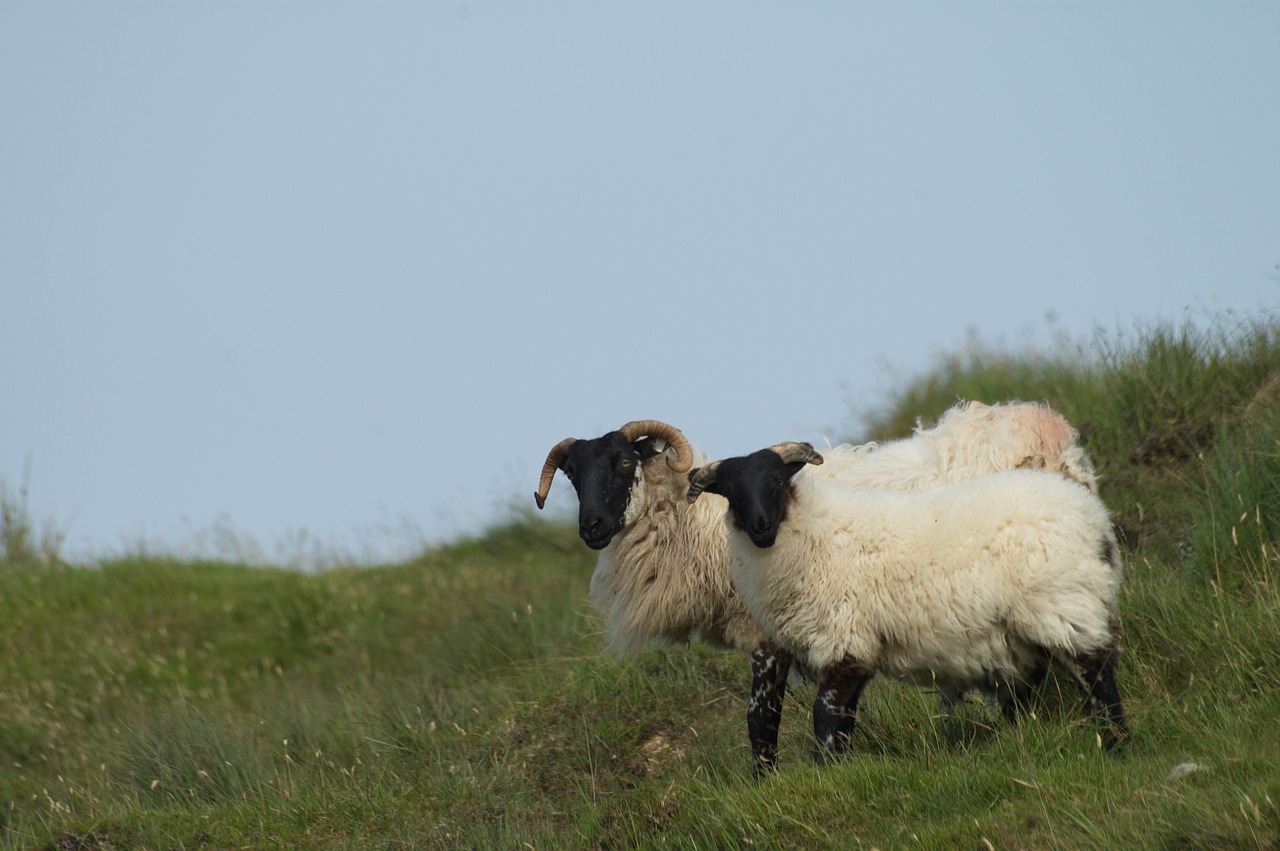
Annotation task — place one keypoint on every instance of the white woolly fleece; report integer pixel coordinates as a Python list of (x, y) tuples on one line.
[(946, 586), (665, 576), (971, 439)]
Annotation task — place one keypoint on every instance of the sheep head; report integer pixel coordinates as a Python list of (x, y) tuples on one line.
[(604, 472), (758, 487)]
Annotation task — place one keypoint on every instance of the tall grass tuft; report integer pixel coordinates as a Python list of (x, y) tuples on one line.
[(184, 756), (1234, 546), (22, 546)]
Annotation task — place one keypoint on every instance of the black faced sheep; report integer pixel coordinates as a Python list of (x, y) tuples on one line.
[(971, 585)]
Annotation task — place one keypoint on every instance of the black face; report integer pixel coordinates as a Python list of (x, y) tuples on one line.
[(603, 471), (758, 487)]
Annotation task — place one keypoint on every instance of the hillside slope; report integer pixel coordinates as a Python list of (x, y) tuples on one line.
[(463, 699)]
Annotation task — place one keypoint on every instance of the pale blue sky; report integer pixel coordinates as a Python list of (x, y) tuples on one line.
[(351, 269)]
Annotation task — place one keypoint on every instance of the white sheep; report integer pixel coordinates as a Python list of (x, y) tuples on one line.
[(971, 585), (663, 570)]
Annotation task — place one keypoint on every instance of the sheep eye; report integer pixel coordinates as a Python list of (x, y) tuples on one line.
[(626, 464)]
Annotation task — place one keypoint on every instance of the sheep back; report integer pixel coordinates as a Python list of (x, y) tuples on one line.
[(970, 440)]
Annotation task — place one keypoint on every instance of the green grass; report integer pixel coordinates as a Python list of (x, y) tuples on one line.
[(464, 700)]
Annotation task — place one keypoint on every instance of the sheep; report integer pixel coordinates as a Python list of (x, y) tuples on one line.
[(965, 586), (663, 571)]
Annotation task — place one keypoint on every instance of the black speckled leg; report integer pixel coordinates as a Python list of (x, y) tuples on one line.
[(1013, 693), (769, 669), (1095, 672), (1007, 697), (836, 706)]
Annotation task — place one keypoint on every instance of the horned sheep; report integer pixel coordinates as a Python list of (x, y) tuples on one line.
[(965, 586), (663, 569)]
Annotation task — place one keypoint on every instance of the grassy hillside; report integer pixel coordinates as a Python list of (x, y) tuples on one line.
[(463, 700)]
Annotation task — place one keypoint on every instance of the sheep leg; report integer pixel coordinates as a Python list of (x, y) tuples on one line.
[(1095, 672), (1008, 698), (1013, 693), (769, 669), (836, 706)]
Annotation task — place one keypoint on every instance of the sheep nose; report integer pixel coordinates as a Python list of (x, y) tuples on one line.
[(763, 535)]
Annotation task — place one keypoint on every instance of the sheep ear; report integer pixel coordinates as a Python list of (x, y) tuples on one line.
[(648, 447), (702, 479)]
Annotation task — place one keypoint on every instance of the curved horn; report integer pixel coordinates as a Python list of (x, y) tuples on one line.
[(792, 452), (637, 429), (554, 459), (702, 478)]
